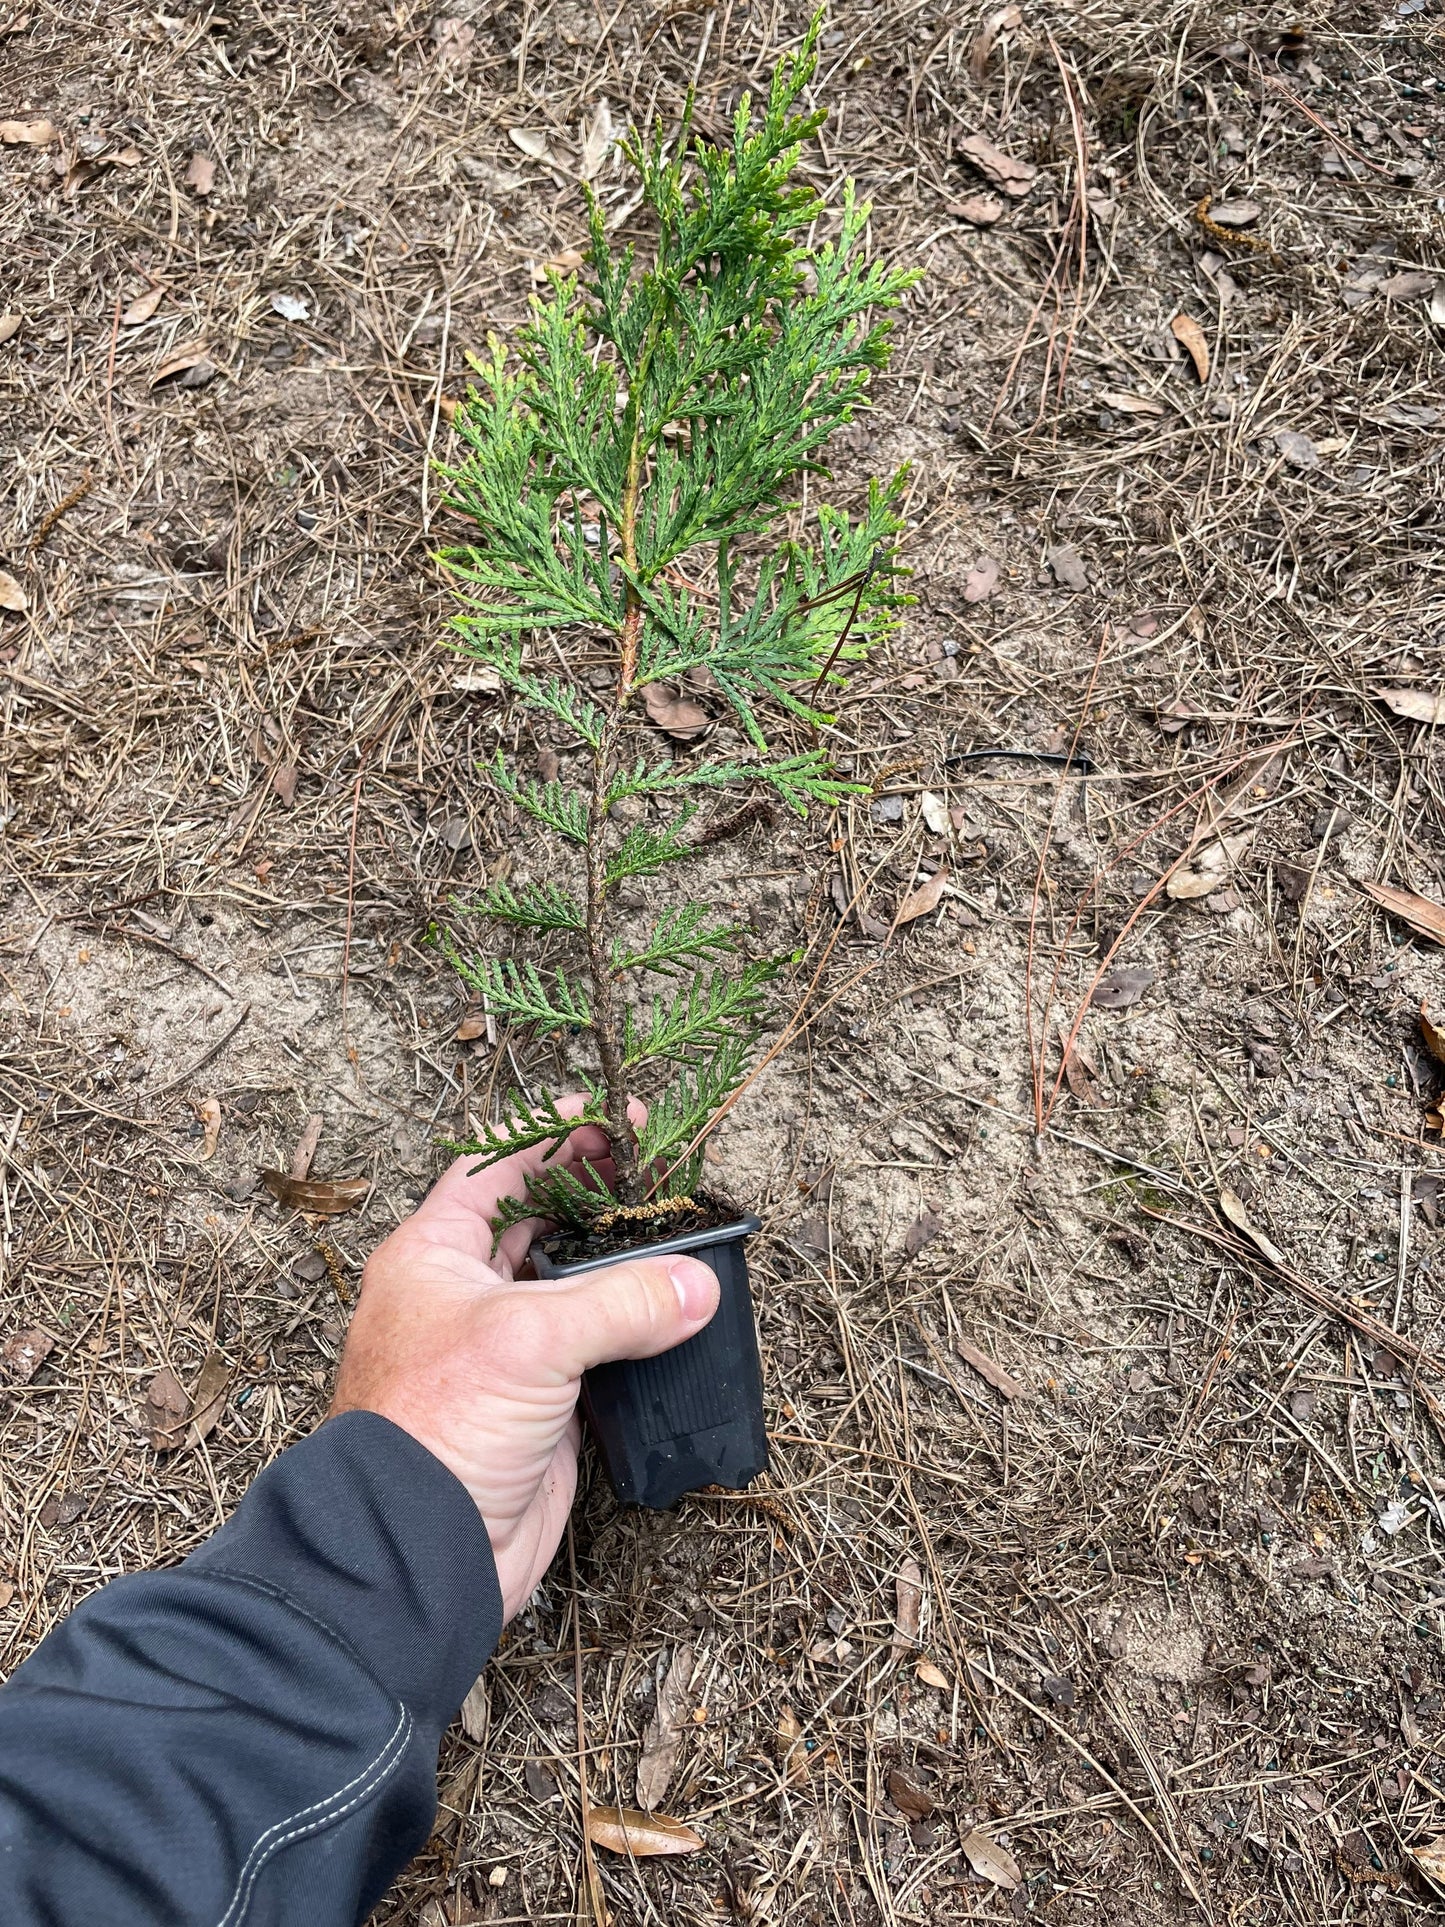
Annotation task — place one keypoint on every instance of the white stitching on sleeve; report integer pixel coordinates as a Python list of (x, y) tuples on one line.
[(313, 1818)]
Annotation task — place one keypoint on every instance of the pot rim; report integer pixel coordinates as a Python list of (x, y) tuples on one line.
[(721, 1234)]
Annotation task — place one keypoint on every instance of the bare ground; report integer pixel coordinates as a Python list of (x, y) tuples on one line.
[(1171, 1494)]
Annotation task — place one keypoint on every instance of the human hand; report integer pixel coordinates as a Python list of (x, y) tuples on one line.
[(483, 1371)]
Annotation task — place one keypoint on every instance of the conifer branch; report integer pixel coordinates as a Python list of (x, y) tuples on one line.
[(627, 471)]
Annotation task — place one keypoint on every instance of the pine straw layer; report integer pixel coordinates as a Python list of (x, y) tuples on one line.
[(1183, 1589)]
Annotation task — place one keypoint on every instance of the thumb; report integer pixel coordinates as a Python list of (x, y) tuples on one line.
[(633, 1310)]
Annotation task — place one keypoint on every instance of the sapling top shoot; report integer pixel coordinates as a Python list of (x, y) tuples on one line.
[(644, 476)]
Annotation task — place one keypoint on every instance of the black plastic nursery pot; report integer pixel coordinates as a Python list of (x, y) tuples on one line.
[(692, 1416)]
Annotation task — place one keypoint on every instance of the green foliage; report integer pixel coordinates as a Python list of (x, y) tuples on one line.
[(627, 471)]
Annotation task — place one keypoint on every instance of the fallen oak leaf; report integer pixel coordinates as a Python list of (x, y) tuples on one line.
[(23, 1353), (143, 307), (597, 141), (196, 355), (283, 781), (1120, 988), (929, 1675), (924, 1228), (663, 1738), (325, 1197), (919, 902), (1418, 705), (982, 579), (12, 596), (1015, 178), (1430, 1859), (1000, 1380), (792, 1748), (1123, 403), (911, 1801), (208, 1400), (1424, 916), (27, 133), (201, 174), (1232, 1207), (1067, 567), (908, 1606), (992, 1861), (1191, 337), (979, 210), (1212, 864), (165, 1411), (639, 1835), (680, 718)]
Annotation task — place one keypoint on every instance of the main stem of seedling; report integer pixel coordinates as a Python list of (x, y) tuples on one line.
[(606, 1019)]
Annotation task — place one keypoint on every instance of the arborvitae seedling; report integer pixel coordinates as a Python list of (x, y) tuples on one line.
[(630, 474)]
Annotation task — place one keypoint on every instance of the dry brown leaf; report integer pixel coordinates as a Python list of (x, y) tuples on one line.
[(569, 261), (908, 1606), (208, 1400), (1067, 567), (325, 1197), (143, 307), (473, 1024), (979, 210), (640, 1835), (934, 812), (1001, 22), (918, 1234), (1416, 704), (1118, 989), (1211, 865), (597, 139), (12, 596), (1123, 403), (165, 1411), (27, 133), (23, 1353), (929, 1675), (181, 362), (1015, 178), (209, 1113), (7, 1593), (306, 1147), (682, 720), (982, 579), (1430, 1859), (10, 324), (1424, 916), (201, 174), (1081, 1074), (665, 1729), (992, 1861), (919, 902), (283, 781), (911, 1801), (532, 144), (1191, 337), (1232, 1206), (986, 1368), (792, 1749)]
